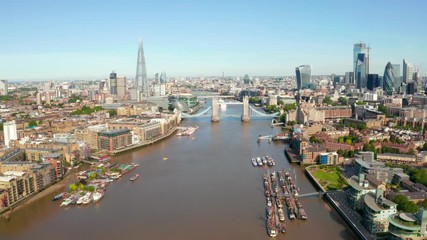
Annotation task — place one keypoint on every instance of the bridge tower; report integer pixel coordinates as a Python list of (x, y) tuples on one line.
[(245, 110), (215, 110)]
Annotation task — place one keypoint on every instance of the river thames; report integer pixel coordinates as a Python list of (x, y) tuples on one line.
[(206, 188)]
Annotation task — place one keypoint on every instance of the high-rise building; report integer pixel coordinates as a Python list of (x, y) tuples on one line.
[(389, 79), (361, 64), (361, 71), (163, 77), (39, 99), (3, 87), (113, 83), (121, 86), (411, 87), (396, 72), (303, 74), (407, 71), (246, 79), (349, 78), (141, 81), (156, 78), (373, 82), (10, 133)]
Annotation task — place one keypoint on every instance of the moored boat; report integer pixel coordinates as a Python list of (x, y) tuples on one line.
[(57, 197), (254, 163), (134, 177), (97, 196)]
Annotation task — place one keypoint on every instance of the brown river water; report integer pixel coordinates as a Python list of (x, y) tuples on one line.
[(206, 189)]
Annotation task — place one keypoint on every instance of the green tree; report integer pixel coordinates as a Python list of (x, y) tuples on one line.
[(342, 101), (411, 151), (349, 141), (72, 187), (74, 98), (112, 112), (404, 205), (32, 123), (327, 100), (1, 127), (424, 204), (382, 108), (341, 139), (289, 107), (282, 118)]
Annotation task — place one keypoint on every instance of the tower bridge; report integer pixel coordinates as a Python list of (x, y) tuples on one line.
[(248, 111)]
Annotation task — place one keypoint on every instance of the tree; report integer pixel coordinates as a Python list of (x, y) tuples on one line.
[(349, 141), (404, 205), (341, 139), (282, 118), (72, 187), (382, 108), (340, 152), (112, 112), (74, 98), (1, 127), (424, 204), (411, 151), (32, 123), (342, 101), (289, 107), (327, 100)]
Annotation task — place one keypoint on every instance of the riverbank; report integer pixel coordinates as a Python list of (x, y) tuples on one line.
[(54, 188), (145, 143), (327, 177)]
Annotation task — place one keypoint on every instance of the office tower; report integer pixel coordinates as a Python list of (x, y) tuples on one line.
[(47, 98), (411, 87), (156, 78), (373, 82), (303, 74), (141, 81), (246, 79), (121, 86), (349, 78), (163, 77), (113, 83), (407, 71), (48, 86), (396, 72), (361, 64), (389, 79), (3, 87), (9, 132), (361, 71)]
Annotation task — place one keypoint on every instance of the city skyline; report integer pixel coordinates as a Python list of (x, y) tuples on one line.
[(80, 40)]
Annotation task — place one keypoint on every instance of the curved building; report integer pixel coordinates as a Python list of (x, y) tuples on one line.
[(303, 73), (389, 78)]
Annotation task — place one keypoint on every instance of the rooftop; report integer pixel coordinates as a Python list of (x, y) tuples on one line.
[(6, 178), (378, 206), (14, 173)]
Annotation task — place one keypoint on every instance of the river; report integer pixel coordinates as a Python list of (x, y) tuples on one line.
[(207, 188)]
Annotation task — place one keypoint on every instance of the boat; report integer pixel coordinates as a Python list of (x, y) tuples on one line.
[(264, 160), (87, 199), (269, 204), (271, 227), (258, 160), (254, 163), (281, 215), (80, 200), (97, 196), (279, 203), (66, 202), (301, 211), (134, 177), (282, 227), (57, 197)]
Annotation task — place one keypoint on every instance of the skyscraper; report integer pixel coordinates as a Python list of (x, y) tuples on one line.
[(407, 71), (10, 133), (396, 72), (373, 82), (113, 83), (141, 80), (163, 77), (121, 86), (360, 64), (303, 74), (389, 79), (349, 78)]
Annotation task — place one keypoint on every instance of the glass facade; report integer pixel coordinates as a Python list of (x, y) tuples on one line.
[(389, 79), (303, 74), (141, 80), (360, 64)]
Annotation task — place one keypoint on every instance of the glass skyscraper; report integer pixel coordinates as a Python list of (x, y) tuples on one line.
[(360, 64), (141, 80), (303, 73), (389, 79), (163, 77), (407, 71)]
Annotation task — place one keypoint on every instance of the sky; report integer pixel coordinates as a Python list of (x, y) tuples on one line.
[(87, 39)]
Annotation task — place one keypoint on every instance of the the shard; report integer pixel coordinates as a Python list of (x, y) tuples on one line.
[(141, 74)]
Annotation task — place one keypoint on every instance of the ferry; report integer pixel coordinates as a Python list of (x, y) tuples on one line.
[(134, 177), (254, 163)]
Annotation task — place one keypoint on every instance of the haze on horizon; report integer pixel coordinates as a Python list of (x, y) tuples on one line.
[(69, 40)]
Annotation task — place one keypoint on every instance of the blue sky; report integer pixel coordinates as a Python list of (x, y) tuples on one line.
[(65, 40)]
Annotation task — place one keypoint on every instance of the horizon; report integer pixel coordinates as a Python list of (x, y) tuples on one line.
[(89, 39)]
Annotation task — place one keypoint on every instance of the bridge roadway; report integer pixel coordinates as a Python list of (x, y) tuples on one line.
[(283, 195)]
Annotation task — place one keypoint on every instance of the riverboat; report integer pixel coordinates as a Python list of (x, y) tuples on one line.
[(97, 196), (134, 177), (281, 215), (259, 162)]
